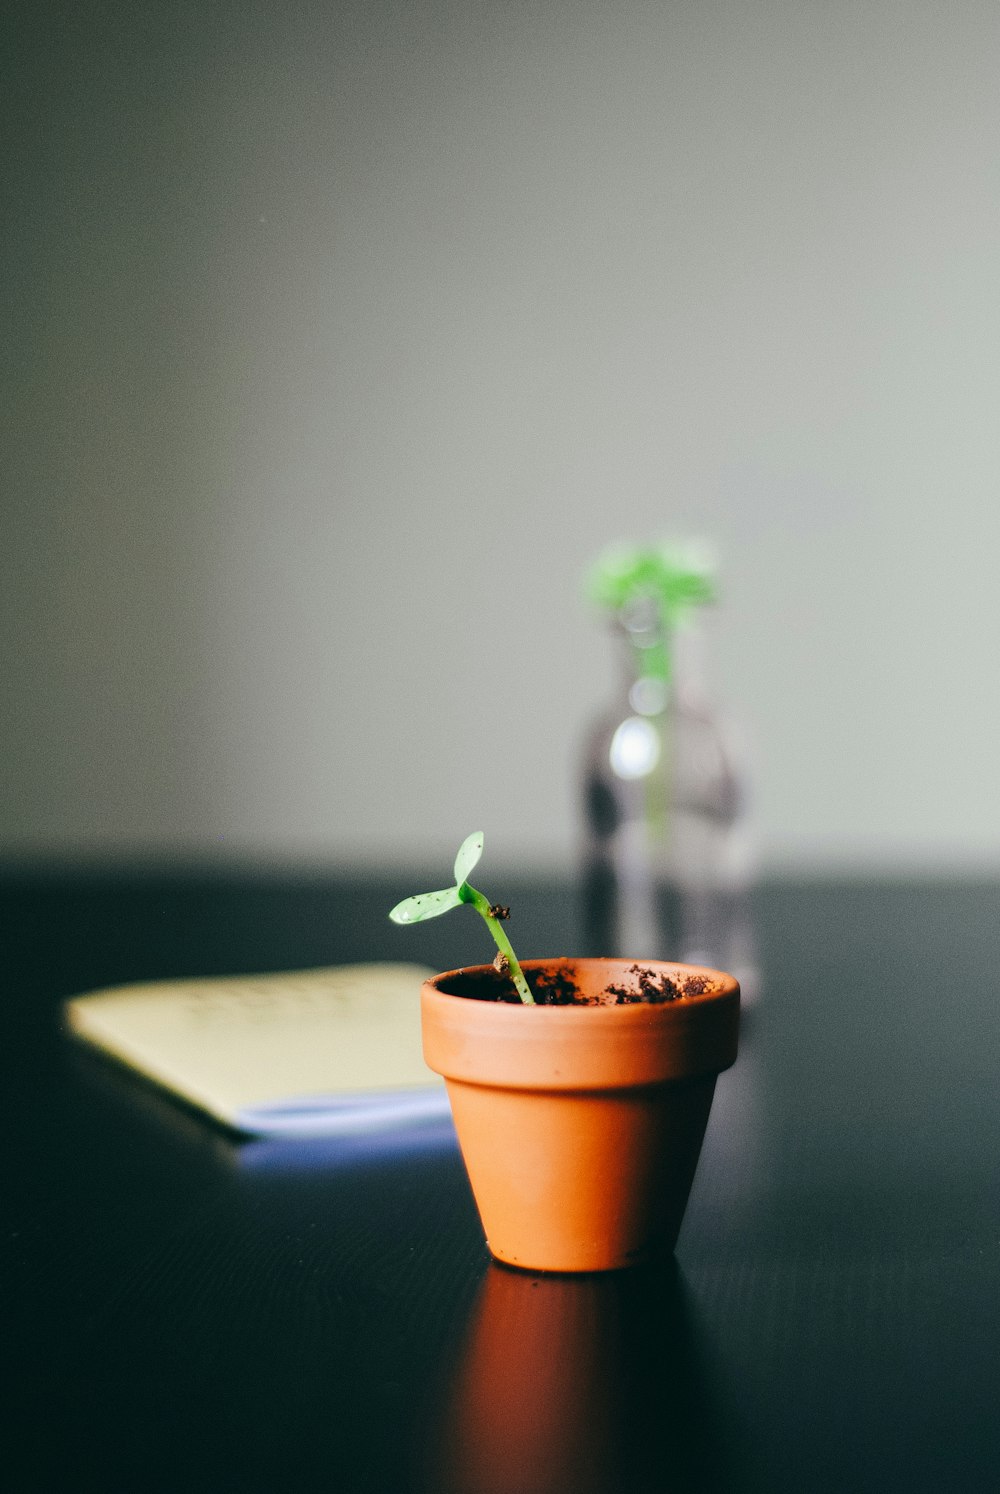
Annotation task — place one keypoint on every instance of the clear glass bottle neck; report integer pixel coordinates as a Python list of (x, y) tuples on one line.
[(659, 663)]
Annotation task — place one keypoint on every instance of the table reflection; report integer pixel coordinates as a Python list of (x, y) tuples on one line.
[(584, 1383)]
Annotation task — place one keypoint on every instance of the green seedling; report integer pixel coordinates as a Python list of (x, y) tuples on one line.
[(668, 580), (433, 904)]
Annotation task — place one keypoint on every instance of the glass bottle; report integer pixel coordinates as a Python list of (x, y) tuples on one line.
[(666, 854)]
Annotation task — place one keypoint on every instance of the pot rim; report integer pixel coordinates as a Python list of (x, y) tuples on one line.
[(573, 1047), (724, 983)]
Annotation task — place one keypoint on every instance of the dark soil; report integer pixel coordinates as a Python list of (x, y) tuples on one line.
[(559, 988), (652, 987)]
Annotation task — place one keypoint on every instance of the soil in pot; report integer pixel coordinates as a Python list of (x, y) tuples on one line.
[(641, 985)]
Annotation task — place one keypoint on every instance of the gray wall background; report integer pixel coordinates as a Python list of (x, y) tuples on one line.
[(341, 337)]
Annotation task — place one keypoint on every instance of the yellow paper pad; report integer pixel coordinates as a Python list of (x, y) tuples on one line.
[(308, 1052)]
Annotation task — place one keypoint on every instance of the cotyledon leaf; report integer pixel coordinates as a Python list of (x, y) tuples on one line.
[(425, 905), (469, 853)]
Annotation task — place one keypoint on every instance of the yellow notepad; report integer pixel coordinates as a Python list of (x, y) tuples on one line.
[(306, 1053)]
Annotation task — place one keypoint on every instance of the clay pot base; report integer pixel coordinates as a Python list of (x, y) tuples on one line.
[(583, 1201)]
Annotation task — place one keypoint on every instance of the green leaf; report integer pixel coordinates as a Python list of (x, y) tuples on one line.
[(425, 905), (678, 576), (469, 853)]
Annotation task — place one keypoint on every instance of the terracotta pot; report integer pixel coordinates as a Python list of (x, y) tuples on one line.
[(580, 1126)]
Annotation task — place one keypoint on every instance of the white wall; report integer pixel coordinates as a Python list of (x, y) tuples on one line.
[(344, 336)]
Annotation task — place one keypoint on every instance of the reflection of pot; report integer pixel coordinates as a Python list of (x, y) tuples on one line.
[(577, 1385), (580, 1126)]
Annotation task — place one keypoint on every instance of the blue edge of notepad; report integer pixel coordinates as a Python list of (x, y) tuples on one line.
[(326, 1130)]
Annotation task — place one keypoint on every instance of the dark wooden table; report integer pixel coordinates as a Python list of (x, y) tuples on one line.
[(183, 1312)]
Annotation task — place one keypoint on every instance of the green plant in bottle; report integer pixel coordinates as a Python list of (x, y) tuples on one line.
[(654, 587)]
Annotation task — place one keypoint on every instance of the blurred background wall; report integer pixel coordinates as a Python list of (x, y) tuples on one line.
[(342, 336)]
